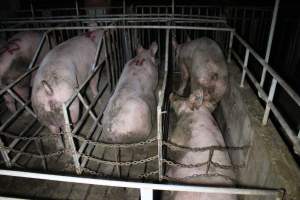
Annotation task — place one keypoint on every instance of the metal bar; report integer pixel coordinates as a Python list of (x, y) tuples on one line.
[(270, 40), (120, 27), (146, 194), (230, 46), (21, 102), (70, 142), (270, 99), (99, 45), (4, 154), (3, 126), (161, 95), (32, 10), (245, 64), (153, 186), (76, 8)]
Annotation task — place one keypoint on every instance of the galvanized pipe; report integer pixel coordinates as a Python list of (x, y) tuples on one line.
[(120, 27), (270, 40), (138, 185), (245, 64)]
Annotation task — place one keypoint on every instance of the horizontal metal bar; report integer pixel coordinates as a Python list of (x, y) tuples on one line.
[(122, 17), (153, 186)]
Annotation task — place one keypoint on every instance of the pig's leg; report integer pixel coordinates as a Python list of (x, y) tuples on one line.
[(10, 103), (94, 84), (185, 77)]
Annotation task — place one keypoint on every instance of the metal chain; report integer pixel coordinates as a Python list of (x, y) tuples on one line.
[(31, 138), (198, 175), (175, 164), (201, 149), (149, 141), (115, 163), (215, 164), (146, 175), (34, 155)]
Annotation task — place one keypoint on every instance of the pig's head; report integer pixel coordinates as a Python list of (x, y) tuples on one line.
[(147, 54), (183, 105), (48, 100)]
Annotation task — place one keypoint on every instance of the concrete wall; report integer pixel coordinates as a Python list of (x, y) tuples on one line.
[(268, 161)]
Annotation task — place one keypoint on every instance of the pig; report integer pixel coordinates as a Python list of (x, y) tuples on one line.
[(196, 128), (202, 62), (61, 72), (129, 114), (15, 57)]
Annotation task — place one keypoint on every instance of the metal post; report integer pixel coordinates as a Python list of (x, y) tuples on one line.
[(159, 138), (270, 99), (244, 67), (146, 194), (270, 40), (124, 7), (76, 7), (173, 7), (230, 46), (32, 9), (69, 140), (299, 134)]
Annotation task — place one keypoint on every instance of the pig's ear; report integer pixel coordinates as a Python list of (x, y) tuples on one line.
[(139, 49), (153, 48), (174, 43)]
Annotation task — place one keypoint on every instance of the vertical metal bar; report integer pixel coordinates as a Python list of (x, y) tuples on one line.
[(40, 151), (76, 7), (32, 9), (230, 46), (124, 7), (69, 140), (270, 99), (244, 67), (107, 66), (146, 194), (173, 7), (37, 52), (4, 154), (270, 40), (159, 139)]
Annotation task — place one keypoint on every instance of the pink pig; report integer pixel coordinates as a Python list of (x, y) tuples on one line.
[(202, 61), (196, 128)]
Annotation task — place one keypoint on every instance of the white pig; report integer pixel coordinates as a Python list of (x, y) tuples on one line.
[(129, 114), (202, 61), (196, 128), (63, 70)]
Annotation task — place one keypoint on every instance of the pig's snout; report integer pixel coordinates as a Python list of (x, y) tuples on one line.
[(47, 88)]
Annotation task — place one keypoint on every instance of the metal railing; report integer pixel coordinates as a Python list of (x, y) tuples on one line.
[(268, 98)]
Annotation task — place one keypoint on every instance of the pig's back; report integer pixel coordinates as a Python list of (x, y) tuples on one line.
[(198, 130), (75, 54)]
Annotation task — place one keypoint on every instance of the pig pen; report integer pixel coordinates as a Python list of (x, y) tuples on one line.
[(27, 146)]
